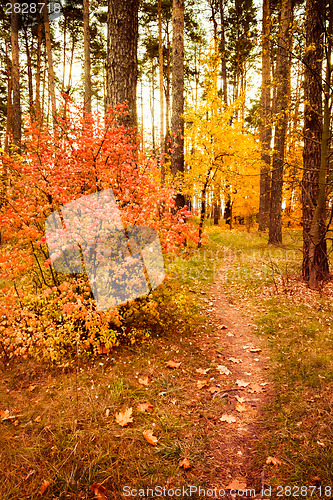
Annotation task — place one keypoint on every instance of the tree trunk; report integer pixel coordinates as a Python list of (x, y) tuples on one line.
[(177, 153), (38, 65), (282, 77), (122, 70), (316, 138), (167, 97), (160, 65), (223, 56), (9, 117), (29, 71), (265, 120), (87, 72), (15, 74), (152, 104), (50, 64)]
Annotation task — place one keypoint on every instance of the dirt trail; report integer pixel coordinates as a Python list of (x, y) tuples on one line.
[(242, 352)]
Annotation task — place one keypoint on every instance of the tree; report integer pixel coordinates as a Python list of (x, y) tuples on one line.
[(121, 69), (15, 79), (50, 63), (87, 71), (282, 76), (265, 119), (316, 140), (177, 125)]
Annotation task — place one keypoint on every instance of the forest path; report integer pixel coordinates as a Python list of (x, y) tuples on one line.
[(247, 390)]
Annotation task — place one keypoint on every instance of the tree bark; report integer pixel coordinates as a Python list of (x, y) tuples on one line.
[(38, 65), (315, 262), (122, 70), (177, 125), (160, 65), (265, 127), (223, 56), (282, 77), (87, 71), (50, 64), (15, 77)]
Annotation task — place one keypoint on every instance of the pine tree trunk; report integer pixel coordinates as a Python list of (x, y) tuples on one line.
[(38, 66), (29, 71), (177, 126), (122, 71), (316, 138), (160, 65), (15, 74), (87, 71), (265, 120), (50, 64), (282, 77)]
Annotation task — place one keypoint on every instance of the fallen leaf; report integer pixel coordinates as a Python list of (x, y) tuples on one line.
[(174, 401), (223, 370), (201, 384), (254, 349), (173, 364), (185, 464), (107, 412), (255, 388), (241, 383), (213, 389), (99, 491), (31, 387), (239, 399), (223, 327), (202, 371), (229, 334), (38, 419), (145, 407), (4, 414), (320, 443), (273, 461), (148, 435), (144, 381), (235, 360), (30, 473), (228, 418), (102, 349), (44, 487), (315, 481), (236, 485), (240, 407), (16, 423), (124, 418)]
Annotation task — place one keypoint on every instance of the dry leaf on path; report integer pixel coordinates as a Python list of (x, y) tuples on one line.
[(235, 360), (201, 384), (223, 327), (255, 388), (273, 461), (185, 464), (229, 334), (255, 349), (148, 435), (173, 364), (223, 370), (202, 371), (236, 485), (240, 407), (145, 407), (213, 389), (144, 381), (239, 399), (241, 383), (228, 418), (44, 487), (99, 491), (124, 418), (38, 419), (31, 387)]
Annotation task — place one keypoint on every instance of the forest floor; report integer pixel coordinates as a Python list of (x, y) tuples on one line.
[(236, 393)]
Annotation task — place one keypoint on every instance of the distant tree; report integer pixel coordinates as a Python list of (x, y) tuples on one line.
[(87, 65), (15, 78)]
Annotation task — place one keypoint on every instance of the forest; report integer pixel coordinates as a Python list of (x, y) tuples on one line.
[(166, 218)]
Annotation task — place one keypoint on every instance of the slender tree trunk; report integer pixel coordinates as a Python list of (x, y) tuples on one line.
[(64, 54), (122, 65), (265, 120), (9, 119), (152, 104), (50, 63), (282, 75), (160, 65), (167, 96), (38, 65), (315, 263), (177, 153), (87, 71), (223, 56), (15, 73), (29, 70)]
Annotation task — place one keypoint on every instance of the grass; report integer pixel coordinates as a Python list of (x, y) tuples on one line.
[(63, 428)]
